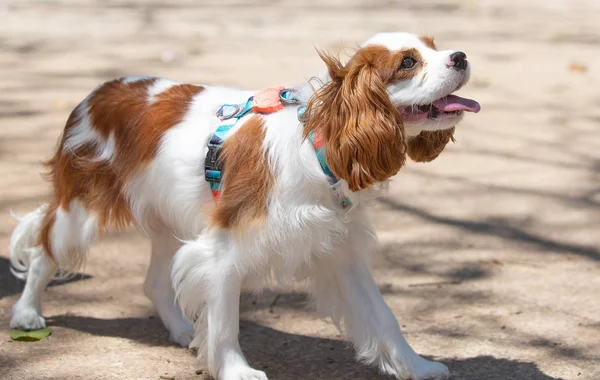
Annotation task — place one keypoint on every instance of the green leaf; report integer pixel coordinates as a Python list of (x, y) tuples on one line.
[(29, 336)]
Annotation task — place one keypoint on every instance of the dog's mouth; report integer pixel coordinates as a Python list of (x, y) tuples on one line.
[(447, 106)]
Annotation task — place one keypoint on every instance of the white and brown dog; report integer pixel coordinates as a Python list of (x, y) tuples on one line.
[(133, 152)]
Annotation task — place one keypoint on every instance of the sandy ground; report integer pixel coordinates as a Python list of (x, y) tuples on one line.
[(490, 255)]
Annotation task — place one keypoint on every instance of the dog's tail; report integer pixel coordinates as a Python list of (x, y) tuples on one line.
[(25, 241)]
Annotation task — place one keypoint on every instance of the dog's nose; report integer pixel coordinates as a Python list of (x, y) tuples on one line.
[(459, 60)]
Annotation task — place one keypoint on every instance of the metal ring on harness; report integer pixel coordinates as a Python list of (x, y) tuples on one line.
[(288, 96), (227, 111)]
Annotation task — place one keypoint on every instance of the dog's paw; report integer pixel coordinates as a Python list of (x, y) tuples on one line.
[(182, 334), (243, 373), (426, 370), (183, 338), (26, 318)]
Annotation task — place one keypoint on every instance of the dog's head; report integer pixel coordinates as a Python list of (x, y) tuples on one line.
[(394, 84)]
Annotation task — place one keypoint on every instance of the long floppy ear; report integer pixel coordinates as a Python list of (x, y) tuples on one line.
[(361, 127), (429, 144)]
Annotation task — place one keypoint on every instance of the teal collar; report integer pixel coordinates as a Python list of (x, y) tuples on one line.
[(318, 143)]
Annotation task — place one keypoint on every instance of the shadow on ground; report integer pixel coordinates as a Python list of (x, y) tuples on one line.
[(285, 356), (290, 356), (148, 330), (495, 228)]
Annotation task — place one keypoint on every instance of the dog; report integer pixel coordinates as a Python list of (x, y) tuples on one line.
[(279, 195)]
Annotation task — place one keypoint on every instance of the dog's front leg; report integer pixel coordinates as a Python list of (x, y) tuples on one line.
[(208, 286), (223, 313), (345, 290)]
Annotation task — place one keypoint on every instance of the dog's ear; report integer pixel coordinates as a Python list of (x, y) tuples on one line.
[(360, 125), (429, 144)]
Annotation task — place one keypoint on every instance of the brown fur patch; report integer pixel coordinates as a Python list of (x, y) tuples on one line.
[(122, 110), (137, 126), (247, 177), (428, 41), (429, 144), (353, 112)]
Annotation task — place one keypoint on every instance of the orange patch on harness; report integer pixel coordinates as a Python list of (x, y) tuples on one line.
[(267, 100), (319, 140)]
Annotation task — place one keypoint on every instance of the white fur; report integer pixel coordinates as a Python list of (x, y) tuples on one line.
[(23, 241), (72, 234), (160, 85), (307, 236), (135, 78), (106, 150), (82, 132)]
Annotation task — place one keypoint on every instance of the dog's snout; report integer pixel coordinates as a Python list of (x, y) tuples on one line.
[(458, 60)]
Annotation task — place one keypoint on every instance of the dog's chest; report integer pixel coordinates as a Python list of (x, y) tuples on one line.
[(293, 239)]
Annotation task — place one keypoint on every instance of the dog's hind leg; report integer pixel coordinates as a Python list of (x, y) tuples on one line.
[(27, 312), (48, 238), (29, 262), (87, 198), (159, 290)]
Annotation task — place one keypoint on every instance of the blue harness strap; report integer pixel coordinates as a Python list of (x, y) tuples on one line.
[(229, 114)]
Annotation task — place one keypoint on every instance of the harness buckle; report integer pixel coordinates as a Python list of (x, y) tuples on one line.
[(211, 164)]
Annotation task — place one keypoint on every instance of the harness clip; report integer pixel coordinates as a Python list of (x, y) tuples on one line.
[(211, 167)]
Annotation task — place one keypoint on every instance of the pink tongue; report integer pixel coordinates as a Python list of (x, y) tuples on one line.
[(456, 103)]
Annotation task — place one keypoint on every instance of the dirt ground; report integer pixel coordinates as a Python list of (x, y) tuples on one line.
[(490, 255)]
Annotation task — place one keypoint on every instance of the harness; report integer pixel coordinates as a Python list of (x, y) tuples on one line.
[(266, 101)]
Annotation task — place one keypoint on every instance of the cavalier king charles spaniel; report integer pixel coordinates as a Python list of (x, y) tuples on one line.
[(133, 153)]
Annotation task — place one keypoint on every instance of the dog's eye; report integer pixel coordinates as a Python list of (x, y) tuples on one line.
[(408, 63)]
